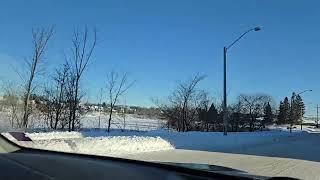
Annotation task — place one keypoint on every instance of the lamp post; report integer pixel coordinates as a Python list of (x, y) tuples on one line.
[(225, 49), (317, 121)]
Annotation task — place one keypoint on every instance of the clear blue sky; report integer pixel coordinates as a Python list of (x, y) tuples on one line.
[(161, 42)]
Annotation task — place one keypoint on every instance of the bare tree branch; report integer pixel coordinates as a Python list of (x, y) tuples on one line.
[(82, 51), (116, 86), (40, 40)]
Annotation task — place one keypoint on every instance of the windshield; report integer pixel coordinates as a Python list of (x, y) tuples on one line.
[(225, 83)]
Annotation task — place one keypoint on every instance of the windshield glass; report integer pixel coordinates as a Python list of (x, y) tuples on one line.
[(225, 83)]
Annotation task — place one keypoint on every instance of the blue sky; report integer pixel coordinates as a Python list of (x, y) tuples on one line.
[(161, 42)]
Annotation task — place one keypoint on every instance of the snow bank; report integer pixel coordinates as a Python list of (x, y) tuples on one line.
[(54, 135), (109, 145), (105, 146), (122, 145)]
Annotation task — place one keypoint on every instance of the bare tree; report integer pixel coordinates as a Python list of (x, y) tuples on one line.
[(202, 105), (186, 95), (60, 79), (11, 100), (116, 87), (52, 104), (236, 115), (100, 106), (70, 88), (46, 105), (82, 51), (182, 105), (123, 114), (254, 106), (40, 41)]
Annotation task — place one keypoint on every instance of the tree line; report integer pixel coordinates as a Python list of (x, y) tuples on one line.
[(189, 108), (291, 112)]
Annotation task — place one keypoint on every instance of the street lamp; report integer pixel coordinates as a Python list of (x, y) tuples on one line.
[(225, 49), (308, 90)]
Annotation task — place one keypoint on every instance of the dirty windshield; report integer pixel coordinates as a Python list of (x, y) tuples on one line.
[(226, 83)]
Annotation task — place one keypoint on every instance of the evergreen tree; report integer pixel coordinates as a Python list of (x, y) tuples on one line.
[(300, 107), (203, 116), (286, 110), (282, 114), (268, 116), (295, 110), (212, 115)]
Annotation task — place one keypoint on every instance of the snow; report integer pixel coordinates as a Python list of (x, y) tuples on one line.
[(216, 141), (91, 121), (131, 122), (295, 128), (109, 145), (118, 143), (105, 146), (145, 139), (144, 135), (54, 135), (122, 140)]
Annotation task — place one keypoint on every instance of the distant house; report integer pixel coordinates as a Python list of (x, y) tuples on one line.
[(127, 110)]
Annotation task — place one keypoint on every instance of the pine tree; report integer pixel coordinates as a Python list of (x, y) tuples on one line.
[(203, 116), (212, 115), (300, 107), (295, 109), (268, 116), (282, 114), (286, 110)]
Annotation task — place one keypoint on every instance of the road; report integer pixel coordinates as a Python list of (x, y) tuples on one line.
[(297, 157)]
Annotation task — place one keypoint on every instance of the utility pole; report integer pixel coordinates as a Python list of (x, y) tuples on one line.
[(291, 112), (317, 125)]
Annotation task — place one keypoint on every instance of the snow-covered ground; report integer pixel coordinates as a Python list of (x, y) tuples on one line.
[(144, 135), (118, 143), (295, 128), (54, 135), (125, 136), (75, 142), (91, 121), (129, 122), (105, 146), (145, 139)]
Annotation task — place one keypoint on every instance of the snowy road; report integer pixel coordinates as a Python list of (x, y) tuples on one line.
[(296, 156)]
